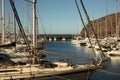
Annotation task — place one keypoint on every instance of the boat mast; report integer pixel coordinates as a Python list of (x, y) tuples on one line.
[(100, 28), (117, 27), (14, 22), (3, 24), (34, 31), (106, 21), (9, 30), (90, 24), (94, 23)]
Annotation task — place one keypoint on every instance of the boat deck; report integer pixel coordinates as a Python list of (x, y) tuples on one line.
[(33, 71)]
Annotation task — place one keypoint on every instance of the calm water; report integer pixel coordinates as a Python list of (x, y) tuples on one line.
[(67, 48)]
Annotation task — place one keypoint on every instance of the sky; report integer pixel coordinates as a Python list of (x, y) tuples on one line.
[(58, 16)]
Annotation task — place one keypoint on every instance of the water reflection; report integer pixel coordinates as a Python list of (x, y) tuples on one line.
[(111, 73), (115, 64), (66, 47)]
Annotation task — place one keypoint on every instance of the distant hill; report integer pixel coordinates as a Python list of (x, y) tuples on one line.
[(99, 26)]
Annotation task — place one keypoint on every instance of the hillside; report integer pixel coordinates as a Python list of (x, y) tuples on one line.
[(100, 28)]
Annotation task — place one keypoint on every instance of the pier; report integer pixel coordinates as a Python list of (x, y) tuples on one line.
[(57, 36)]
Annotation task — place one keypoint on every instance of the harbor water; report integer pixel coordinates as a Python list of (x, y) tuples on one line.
[(66, 48)]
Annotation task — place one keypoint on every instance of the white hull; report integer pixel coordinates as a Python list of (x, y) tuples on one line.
[(75, 41), (63, 39), (19, 72), (114, 53)]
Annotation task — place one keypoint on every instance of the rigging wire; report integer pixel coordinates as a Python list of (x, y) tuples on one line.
[(90, 24), (43, 27), (84, 25), (20, 25), (42, 24), (29, 18), (87, 34), (39, 17)]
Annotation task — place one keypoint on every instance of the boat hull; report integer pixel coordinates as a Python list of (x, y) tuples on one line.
[(29, 72)]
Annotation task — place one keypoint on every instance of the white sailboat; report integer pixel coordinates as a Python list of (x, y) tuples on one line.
[(114, 53), (76, 40)]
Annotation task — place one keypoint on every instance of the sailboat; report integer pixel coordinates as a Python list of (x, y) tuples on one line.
[(79, 41), (41, 69), (76, 40)]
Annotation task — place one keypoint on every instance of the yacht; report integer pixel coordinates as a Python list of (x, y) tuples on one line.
[(76, 40)]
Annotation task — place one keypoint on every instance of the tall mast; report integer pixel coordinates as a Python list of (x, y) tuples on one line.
[(117, 27), (100, 29), (3, 24), (34, 31), (94, 23), (9, 29), (34, 24), (14, 22), (106, 21)]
